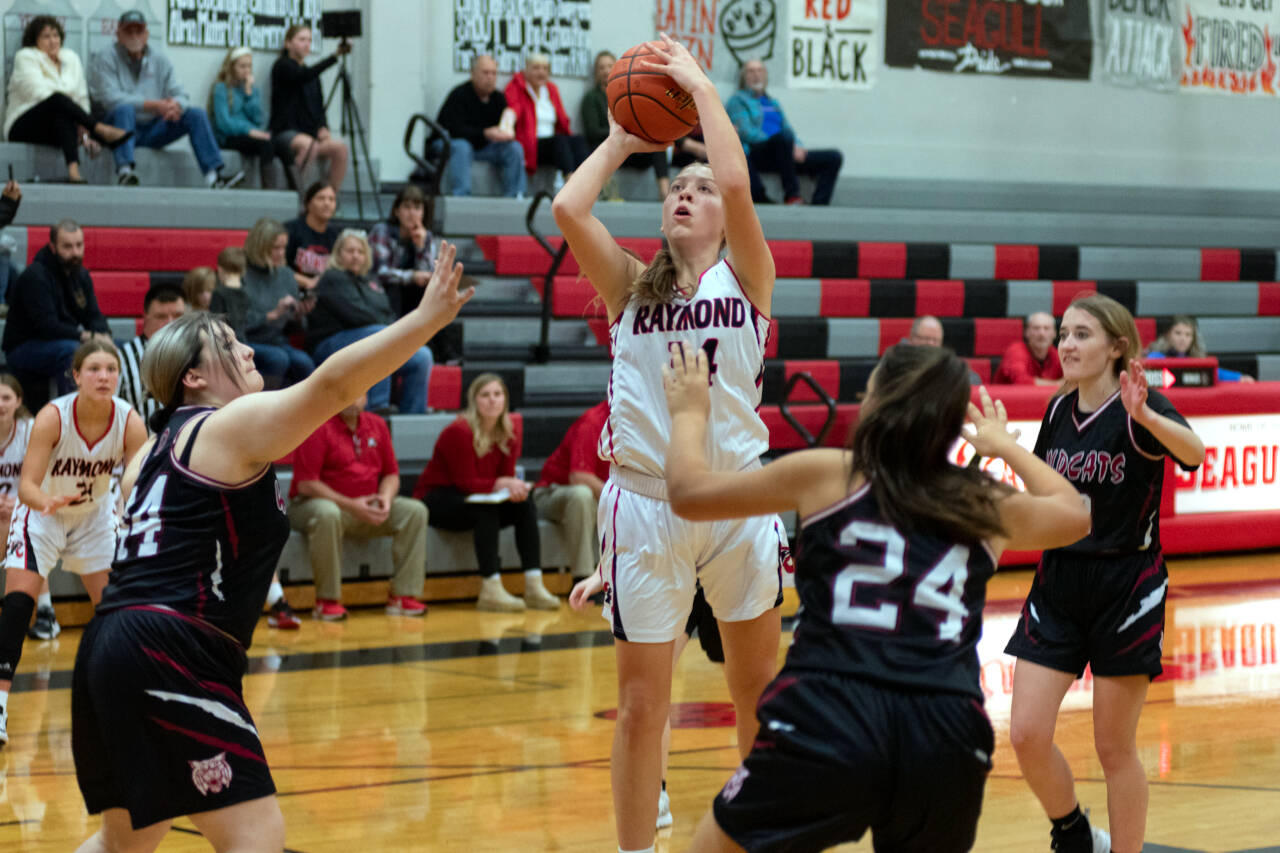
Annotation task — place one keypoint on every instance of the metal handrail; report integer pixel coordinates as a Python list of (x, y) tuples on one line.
[(435, 132), (542, 349), (823, 397)]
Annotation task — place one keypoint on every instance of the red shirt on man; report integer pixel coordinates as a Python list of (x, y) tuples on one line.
[(1020, 367), (454, 462), (577, 451), (350, 463)]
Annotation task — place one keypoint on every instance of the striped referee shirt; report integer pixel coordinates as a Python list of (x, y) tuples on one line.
[(132, 390)]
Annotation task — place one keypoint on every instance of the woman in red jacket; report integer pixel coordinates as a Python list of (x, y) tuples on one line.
[(476, 455), (542, 125)]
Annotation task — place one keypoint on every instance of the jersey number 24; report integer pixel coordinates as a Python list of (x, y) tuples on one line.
[(940, 590)]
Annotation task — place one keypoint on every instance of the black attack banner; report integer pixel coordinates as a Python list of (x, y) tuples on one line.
[(1034, 38), (1141, 44)]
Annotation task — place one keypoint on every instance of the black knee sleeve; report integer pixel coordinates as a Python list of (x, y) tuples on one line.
[(14, 619)]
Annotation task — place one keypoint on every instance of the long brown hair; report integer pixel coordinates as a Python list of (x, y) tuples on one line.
[(178, 348), (503, 431), (901, 447), (1117, 324), (91, 346), (659, 282), (12, 383), (227, 75), (1165, 345)]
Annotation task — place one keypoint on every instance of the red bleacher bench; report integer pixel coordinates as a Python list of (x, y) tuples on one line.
[(151, 249)]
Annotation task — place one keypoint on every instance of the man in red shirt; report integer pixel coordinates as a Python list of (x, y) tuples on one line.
[(1033, 361), (569, 489), (346, 482)]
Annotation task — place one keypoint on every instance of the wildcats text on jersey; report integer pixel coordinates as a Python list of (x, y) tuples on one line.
[(1093, 466), (83, 467), (720, 312)]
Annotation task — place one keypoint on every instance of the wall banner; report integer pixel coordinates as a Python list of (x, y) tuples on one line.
[(1231, 47), (1035, 38), (1141, 44), (833, 44), (692, 23), (509, 30), (239, 23)]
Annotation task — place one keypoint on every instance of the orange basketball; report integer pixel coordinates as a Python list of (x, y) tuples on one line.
[(648, 103)]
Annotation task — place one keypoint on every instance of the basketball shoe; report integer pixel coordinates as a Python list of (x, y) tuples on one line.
[(329, 611), (282, 616), (664, 811), (405, 605), (46, 626)]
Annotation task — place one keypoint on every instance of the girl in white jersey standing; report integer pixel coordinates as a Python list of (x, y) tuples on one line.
[(64, 511), (653, 561)]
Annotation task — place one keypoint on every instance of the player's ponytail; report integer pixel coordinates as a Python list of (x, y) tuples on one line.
[(902, 444)]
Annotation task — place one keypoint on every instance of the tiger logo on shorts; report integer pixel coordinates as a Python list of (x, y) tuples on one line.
[(211, 775)]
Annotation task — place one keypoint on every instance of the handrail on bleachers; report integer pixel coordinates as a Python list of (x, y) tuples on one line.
[(542, 350)]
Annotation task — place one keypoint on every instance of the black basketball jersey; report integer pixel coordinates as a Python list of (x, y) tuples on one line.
[(903, 610), (1117, 464), (203, 548)]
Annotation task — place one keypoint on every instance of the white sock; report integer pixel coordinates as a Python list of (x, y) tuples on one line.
[(275, 593), (493, 579), (211, 176), (44, 599), (533, 575), (648, 849), (124, 170)]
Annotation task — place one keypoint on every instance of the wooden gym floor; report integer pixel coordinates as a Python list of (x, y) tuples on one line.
[(486, 732)]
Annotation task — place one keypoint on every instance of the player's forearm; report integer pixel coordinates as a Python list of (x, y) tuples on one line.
[(723, 147), (1184, 444), (686, 463), (579, 194), (1037, 475)]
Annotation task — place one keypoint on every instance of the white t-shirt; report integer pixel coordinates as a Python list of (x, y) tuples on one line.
[(546, 111), (720, 319)]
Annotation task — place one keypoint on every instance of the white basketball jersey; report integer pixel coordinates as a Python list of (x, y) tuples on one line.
[(720, 319), (80, 469), (11, 453)]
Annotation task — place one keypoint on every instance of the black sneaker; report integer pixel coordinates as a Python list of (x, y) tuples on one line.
[(225, 183), (127, 179), (46, 626)]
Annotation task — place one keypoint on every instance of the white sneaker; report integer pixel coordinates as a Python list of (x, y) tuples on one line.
[(536, 597), (1101, 840), (495, 598), (4, 725), (664, 811)]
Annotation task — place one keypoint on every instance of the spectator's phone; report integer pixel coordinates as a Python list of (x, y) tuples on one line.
[(11, 171)]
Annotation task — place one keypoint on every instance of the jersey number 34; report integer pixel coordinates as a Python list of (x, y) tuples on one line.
[(939, 590)]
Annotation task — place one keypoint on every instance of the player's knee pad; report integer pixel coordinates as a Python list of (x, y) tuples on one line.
[(14, 619)]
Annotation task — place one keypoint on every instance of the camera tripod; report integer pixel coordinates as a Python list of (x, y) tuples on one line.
[(353, 129)]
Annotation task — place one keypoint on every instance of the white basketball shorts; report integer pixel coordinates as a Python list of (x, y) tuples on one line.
[(86, 543)]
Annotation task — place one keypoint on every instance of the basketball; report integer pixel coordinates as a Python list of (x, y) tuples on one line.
[(648, 103)]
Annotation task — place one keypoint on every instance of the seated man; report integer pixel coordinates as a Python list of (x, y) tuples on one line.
[(926, 331), (568, 491), (52, 311), (346, 482), (771, 143), (136, 86), (472, 113), (163, 304), (1033, 360)]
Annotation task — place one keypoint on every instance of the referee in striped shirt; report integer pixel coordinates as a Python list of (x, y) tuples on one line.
[(162, 305)]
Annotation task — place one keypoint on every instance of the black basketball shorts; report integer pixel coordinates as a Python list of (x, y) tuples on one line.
[(1106, 611), (837, 756), (158, 723)]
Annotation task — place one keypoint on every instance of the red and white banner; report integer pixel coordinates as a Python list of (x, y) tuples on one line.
[(1231, 47), (834, 44)]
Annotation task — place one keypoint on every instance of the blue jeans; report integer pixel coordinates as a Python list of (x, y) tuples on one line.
[(158, 134), (507, 157), (414, 374), (281, 365), (46, 358)]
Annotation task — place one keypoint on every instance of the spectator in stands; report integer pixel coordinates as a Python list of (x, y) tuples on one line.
[(542, 125), (311, 235), (52, 311), (568, 491), (200, 282), (10, 198), (595, 126), (402, 260), (236, 106), (689, 149), (163, 304), (1033, 360), (771, 143), (299, 128), (9, 201), (1182, 340), (346, 482), (48, 101), (271, 305), (476, 456), (351, 306), (926, 331), (137, 87), (473, 115)]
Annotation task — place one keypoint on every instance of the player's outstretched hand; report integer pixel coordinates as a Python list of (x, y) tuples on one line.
[(990, 435), (674, 59), (442, 299), (584, 589), (1133, 391), (686, 380)]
